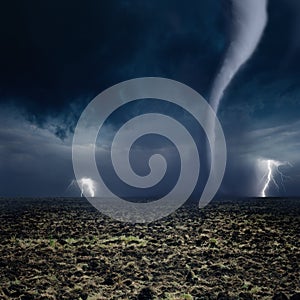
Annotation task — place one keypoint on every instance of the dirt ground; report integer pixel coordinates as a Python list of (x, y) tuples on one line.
[(231, 249)]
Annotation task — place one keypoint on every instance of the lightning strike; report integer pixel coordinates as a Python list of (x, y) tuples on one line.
[(86, 185), (269, 177)]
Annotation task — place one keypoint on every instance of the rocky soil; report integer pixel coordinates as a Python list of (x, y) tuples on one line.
[(233, 249)]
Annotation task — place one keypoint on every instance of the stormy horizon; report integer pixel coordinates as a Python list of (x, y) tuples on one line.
[(56, 57)]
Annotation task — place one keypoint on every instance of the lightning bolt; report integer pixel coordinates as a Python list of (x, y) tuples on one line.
[(85, 184), (88, 185), (272, 170)]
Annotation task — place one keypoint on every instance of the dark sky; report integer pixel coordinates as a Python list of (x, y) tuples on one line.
[(56, 56)]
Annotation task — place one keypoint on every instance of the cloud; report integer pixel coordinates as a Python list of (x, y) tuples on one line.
[(72, 55), (54, 61), (34, 161), (245, 149), (279, 142)]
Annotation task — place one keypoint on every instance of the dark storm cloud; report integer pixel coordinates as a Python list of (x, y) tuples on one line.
[(294, 38), (55, 56), (34, 162), (54, 53)]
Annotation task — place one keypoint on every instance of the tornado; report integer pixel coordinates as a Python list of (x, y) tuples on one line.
[(249, 19)]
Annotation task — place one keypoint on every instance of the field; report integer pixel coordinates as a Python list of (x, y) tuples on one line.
[(231, 249)]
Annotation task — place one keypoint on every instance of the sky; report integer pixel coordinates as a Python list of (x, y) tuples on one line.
[(56, 56)]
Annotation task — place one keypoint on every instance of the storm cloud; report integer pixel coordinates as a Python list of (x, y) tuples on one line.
[(56, 56)]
